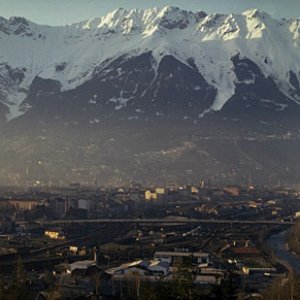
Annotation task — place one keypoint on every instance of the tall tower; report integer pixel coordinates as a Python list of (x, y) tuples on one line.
[(66, 204), (202, 185)]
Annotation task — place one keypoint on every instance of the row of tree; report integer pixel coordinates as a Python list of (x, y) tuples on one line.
[(293, 238), (182, 287), (284, 289)]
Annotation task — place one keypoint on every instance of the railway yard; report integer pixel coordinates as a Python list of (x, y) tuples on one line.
[(55, 238)]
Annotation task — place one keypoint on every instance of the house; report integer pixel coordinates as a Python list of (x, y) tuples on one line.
[(115, 280), (245, 252), (156, 267), (201, 258), (160, 191), (150, 195), (209, 276), (83, 265), (127, 269), (80, 265), (232, 190), (55, 234), (152, 269), (194, 190), (25, 204)]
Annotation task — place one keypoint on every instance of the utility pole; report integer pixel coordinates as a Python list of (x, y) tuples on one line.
[(138, 285)]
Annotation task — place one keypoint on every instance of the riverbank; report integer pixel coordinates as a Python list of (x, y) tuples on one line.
[(285, 257)]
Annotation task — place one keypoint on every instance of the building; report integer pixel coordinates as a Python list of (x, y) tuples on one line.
[(55, 234), (178, 258), (150, 195), (84, 204), (157, 267), (152, 269), (194, 190), (244, 252), (80, 265), (83, 265), (57, 205), (209, 276), (160, 191), (232, 190), (24, 204)]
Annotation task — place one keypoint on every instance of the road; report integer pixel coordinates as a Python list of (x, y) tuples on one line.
[(171, 221)]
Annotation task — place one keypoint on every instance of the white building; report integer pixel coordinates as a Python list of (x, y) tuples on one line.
[(80, 265), (174, 257), (141, 268)]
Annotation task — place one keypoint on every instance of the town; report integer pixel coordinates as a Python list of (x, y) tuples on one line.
[(112, 243)]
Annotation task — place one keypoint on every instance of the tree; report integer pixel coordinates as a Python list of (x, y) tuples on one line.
[(228, 289), (284, 289), (18, 290), (19, 273), (2, 290)]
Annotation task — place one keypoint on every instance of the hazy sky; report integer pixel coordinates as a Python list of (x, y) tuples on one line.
[(59, 12)]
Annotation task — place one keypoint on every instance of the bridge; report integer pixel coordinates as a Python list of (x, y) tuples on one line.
[(174, 221)]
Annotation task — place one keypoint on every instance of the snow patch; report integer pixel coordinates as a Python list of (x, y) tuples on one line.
[(13, 102), (120, 102), (71, 54), (279, 106)]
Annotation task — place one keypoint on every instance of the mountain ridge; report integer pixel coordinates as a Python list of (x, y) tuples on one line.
[(70, 54)]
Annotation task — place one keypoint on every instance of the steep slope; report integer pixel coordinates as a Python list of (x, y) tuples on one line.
[(161, 95), (73, 54)]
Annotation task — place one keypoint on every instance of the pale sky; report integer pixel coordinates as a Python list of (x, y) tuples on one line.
[(61, 12)]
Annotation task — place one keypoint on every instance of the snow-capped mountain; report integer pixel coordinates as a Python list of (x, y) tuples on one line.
[(211, 46), (122, 96)]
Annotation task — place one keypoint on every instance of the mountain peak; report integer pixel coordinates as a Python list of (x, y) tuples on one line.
[(15, 21), (256, 14), (168, 17), (206, 43), (16, 25)]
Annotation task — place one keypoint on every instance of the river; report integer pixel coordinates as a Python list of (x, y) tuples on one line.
[(277, 243)]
